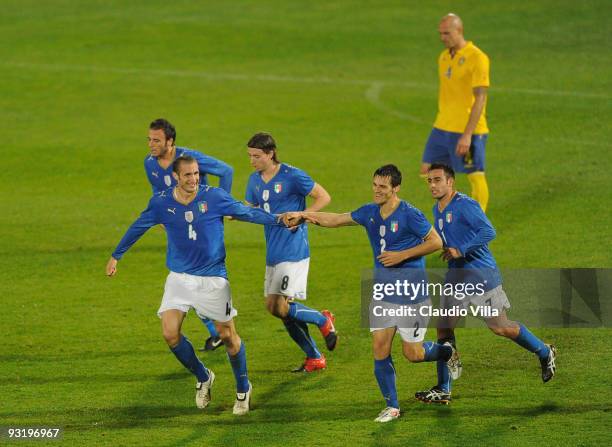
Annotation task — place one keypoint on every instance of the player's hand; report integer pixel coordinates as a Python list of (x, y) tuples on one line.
[(292, 219), (450, 253), (463, 145), (111, 267), (390, 258)]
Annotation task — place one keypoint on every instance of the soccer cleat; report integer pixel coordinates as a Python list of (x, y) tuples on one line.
[(211, 344), (243, 402), (454, 363), (388, 415), (311, 365), (433, 396), (328, 330), (203, 391), (548, 364)]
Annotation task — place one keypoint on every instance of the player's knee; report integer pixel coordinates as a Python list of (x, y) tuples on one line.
[(276, 307), (381, 349), (172, 336), (502, 331)]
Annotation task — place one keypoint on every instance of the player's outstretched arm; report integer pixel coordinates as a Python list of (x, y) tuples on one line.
[(146, 220), (430, 244), (329, 220)]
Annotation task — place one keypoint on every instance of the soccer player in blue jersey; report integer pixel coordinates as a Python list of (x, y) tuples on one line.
[(158, 167), (466, 232), (192, 216), (277, 188), (400, 237)]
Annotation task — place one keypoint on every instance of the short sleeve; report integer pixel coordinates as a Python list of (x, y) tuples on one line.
[(418, 223), (251, 194), (480, 74), (360, 215), (303, 183)]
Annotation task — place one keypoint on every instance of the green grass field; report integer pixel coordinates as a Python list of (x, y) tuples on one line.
[(344, 87)]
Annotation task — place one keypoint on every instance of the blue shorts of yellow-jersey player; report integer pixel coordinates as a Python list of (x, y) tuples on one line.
[(440, 148)]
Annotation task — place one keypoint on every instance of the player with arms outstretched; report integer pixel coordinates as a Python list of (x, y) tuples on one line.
[(158, 168), (192, 216)]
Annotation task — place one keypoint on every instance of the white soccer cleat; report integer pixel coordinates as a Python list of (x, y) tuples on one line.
[(202, 397), (243, 402), (454, 363), (388, 414)]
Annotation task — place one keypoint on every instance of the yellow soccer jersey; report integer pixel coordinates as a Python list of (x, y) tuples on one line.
[(458, 75)]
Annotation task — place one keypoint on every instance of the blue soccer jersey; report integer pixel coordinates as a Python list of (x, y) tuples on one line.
[(161, 179), (194, 231), (284, 192), (405, 228), (463, 225)]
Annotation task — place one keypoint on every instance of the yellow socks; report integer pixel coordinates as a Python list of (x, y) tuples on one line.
[(480, 189)]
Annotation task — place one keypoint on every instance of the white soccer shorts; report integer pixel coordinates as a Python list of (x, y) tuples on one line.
[(288, 279), (495, 299), (209, 296), (412, 329)]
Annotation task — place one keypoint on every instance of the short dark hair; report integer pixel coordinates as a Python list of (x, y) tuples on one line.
[(178, 161), (166, 126), (447, 169), (390, 171), (265, 142)]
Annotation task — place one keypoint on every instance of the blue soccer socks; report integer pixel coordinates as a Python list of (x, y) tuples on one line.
[(436, 351), (210, 326), (385, 376), (239, 366), (298, 331), (532, 343), (300, 312), (186, 355)]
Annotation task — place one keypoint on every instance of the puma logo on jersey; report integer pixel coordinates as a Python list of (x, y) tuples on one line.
[(155, 174), (172, 210)]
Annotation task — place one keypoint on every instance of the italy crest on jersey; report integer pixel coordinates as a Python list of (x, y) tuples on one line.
[(449, 217), (167, 180), (278, 187), (265, 195), (394, 226), (440, 223), (203, 207), (189, 216)]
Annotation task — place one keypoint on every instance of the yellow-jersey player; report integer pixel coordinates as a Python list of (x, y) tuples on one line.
[(459, 134)]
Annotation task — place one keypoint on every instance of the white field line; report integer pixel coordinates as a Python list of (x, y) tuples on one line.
[(277, 78)]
